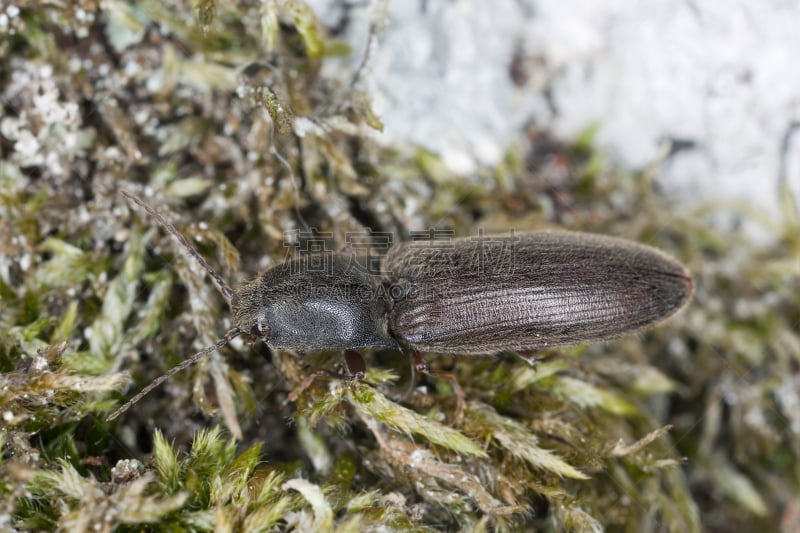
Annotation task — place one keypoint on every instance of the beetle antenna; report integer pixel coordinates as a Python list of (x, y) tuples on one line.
[(229, 336), (224, 288)]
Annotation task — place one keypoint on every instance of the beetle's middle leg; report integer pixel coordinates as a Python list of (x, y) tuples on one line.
[(421, 365), (533, 358)]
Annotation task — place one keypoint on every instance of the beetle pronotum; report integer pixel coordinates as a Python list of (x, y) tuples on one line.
[(482, 296)]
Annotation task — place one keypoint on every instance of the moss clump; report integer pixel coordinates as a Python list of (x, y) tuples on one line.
[(221, 116)]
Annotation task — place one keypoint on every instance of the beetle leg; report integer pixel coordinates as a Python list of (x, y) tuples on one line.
[(421, 365), (532, 358), (307, 381), (250, 341), (529, 357), (450, 378), (356, 365)]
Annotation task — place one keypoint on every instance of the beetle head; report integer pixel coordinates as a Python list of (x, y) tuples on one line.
[(248, 310)]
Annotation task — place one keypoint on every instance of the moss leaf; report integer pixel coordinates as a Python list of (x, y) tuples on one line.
[(518, 441), (587, 395), (373, 403), (323, 514)]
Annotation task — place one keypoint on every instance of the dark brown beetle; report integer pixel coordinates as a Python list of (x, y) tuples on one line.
[(480, 296)]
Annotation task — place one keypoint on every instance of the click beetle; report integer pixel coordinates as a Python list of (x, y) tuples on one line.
[(471, 296)]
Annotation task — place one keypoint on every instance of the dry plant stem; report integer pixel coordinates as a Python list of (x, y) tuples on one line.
[(375, 428), (399, 452)]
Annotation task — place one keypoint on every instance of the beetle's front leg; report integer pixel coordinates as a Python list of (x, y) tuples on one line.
[(356, 365), (356, 368)]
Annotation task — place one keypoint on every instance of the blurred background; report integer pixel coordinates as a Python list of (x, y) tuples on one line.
[(705, 91)]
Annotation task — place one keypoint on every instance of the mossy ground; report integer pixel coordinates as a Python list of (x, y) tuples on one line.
[(219, 115)]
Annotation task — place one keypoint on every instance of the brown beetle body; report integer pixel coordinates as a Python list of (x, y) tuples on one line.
[(473, 296), (543, 289)]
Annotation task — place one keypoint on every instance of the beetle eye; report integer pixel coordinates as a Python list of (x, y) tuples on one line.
[(257, 330)]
